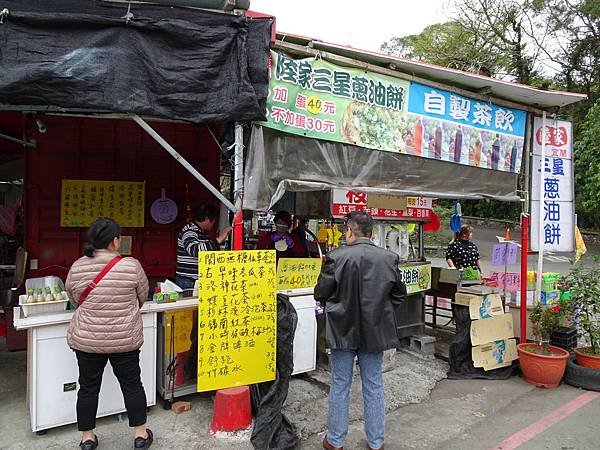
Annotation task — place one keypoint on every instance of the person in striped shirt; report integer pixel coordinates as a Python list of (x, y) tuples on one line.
[(193, 239)]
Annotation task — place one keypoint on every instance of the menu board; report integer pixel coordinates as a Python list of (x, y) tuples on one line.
[(293, 273), (237, 318), (83, 201)]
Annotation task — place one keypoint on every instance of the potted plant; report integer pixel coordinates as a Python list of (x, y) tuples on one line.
[(583, 286), (543, 364)]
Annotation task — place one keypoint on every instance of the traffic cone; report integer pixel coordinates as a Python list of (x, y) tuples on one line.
[(232, 410), (507, 235)]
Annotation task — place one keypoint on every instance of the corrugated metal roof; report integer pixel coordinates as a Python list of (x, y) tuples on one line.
[(478, 84)]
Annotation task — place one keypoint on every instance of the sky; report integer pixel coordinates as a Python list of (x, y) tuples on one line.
[(360, 24)]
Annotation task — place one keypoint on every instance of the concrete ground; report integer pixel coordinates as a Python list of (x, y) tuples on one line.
[(424, 411)]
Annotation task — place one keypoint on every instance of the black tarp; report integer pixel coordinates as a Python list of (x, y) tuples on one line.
[(154, 60), (272, 430)]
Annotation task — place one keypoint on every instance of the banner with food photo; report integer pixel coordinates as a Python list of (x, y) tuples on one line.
[(446, 126), (314, 98)]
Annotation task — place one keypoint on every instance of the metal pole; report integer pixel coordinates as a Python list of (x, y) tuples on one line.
[(238, 187), (525, 220), (540, 224), (527, 159), (164, 144)]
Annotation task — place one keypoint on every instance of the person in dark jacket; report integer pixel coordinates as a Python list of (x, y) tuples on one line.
[(360, 285)]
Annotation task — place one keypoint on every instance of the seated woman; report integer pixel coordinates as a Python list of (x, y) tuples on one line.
[(287, 245)]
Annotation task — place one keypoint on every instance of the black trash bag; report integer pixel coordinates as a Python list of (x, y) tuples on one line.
[(459, 357), (272, 430)]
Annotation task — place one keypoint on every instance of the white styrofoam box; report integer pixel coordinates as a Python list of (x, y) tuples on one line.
[(36, 309), (42, 282)]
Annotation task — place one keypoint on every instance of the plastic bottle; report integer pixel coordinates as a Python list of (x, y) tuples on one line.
[(48, 297), (477, 150), (40, 295), (438, 143), (458, 145), (496, 152), (513, 156), (57, 293), (418, 138), (30, 297)]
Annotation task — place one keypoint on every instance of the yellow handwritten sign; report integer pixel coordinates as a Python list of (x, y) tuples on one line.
[(237, 318), (83, 201), (293, 273), (183, 322)]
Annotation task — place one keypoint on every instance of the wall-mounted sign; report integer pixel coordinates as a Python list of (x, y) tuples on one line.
[(346, 201), (83, 201)]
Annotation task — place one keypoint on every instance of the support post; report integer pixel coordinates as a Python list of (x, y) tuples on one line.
[(540, 224), (238, 187), (181, 160), (525, 220)]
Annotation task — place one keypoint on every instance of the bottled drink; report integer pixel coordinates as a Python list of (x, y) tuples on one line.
[(418, 138), (513, 156), (477, 150), (496, 152), (437, 148), (30, 297), (458, 145)]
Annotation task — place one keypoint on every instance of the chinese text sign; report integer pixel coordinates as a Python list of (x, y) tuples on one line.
[(345, 201), (446, 126), (558, 214), (237, 318), (416, 278), (83, 201), (293, 273), (312, 97)]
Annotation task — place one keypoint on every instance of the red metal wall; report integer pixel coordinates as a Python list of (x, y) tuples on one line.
[(111, 149)]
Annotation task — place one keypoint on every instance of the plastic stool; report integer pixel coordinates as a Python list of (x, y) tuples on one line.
[(232, 410)]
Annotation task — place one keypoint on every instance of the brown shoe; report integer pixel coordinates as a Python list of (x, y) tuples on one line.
[(328, 446)]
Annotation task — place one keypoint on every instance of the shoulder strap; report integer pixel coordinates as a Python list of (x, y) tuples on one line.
[(99, 277)]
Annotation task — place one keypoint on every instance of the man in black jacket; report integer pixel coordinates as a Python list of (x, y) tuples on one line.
[(360, 285)]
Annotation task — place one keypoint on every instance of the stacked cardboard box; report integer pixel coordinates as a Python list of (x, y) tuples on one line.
[(492, 332)]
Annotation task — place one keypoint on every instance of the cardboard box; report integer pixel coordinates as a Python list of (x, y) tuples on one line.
[(466, 299), (495, 354), (486, 307), (494, 329)]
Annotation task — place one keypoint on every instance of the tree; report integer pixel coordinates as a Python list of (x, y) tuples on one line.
[(587, 169), (450, 45)]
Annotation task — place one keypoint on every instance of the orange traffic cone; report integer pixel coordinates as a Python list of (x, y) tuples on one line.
[(507, 235)]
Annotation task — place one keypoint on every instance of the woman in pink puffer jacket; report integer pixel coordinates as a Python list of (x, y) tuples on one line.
[(107, 326)]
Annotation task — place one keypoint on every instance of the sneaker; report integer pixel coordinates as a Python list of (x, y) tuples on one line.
[(89, 444), (140, 442)]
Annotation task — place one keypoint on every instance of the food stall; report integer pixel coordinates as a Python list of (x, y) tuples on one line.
[(318, 138), (98, 138)]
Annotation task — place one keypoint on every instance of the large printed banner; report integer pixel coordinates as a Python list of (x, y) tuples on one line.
[(314, 98), (83, 201), (558, 213), (450, 127), (237, 318)]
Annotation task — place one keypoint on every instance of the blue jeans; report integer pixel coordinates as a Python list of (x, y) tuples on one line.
[(342, 363)]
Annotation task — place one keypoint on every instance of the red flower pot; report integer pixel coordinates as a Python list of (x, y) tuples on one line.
[(542, 370), (586, 360)]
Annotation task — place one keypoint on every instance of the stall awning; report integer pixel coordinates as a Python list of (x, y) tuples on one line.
[(492, 88), (152, 60), (279, 162)]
